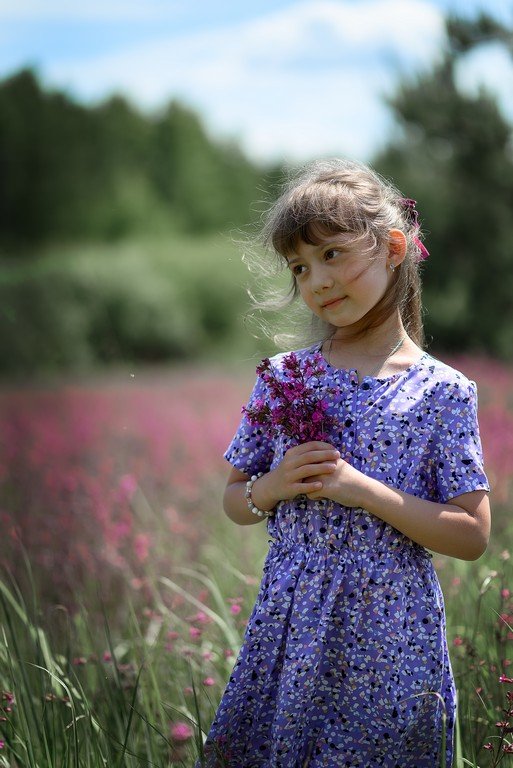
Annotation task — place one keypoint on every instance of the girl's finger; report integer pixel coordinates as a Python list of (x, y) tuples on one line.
[(310, 487), (310, 470), (316, 457), (313, 445)]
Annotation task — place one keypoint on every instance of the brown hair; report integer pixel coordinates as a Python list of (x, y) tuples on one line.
[(342, 196)]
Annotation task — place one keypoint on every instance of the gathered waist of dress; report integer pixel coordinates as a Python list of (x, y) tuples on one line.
[(353, 548)]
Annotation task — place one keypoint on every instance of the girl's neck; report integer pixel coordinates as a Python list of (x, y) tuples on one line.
[(383, 351)]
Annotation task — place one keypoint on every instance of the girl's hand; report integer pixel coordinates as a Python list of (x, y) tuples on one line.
[(343, 485), (299, 472)]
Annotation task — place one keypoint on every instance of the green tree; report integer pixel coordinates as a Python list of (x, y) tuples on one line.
[(454, 155), (75, 172), (206, 184)]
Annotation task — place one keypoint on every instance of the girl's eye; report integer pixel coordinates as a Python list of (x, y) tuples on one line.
[(331, 254), (298, 269)]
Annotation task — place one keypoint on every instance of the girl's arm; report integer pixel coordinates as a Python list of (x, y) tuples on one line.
[(459, 528), (286, 481)]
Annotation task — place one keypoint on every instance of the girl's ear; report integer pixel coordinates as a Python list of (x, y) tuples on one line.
[(397, 247)]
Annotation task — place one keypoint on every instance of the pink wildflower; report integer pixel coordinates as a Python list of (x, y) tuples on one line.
[(181, 732), (195, 633), (235, 609), (142, 544), (127, 486), (209, 681), (293, 405), (457, 641), (201, 618)]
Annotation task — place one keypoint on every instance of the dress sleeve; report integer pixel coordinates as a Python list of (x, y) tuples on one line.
[(459, 457), (252, 448)]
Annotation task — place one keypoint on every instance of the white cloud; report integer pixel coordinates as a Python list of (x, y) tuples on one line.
[(301, 80), (491, 66)]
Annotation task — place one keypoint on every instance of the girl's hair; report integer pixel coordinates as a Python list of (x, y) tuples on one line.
[(342, 196)]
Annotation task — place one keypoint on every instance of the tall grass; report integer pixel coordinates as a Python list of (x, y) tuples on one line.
[(75, 693)]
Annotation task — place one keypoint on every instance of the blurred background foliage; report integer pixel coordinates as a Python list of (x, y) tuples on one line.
[(118, 229)]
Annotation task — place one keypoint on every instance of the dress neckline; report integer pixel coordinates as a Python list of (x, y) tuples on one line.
[(354, 372)]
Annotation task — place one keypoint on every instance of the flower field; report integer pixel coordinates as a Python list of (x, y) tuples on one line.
[(125, 590)]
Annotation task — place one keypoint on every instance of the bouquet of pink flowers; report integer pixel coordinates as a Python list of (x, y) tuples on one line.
[(295, 407)]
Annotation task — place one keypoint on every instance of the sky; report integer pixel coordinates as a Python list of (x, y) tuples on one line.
[(286, 79)]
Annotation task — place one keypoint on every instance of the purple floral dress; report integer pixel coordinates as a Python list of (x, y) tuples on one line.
[(344, 660)]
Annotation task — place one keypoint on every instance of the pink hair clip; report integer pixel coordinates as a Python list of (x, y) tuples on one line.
[(410, 209)]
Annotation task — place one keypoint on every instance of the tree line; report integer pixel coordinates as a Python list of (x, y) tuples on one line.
[(68, 171)]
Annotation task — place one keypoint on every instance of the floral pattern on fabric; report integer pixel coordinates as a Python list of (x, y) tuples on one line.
[(344, 661)]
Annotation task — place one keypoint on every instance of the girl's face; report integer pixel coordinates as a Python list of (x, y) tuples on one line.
[(340, 279)]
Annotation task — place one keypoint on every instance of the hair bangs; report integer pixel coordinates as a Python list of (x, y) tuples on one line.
[(313, 216)]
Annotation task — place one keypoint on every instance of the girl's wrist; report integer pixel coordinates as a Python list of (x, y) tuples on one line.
[(354, 493), (260, 495)]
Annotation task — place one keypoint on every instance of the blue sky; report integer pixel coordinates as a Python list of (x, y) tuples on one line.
[(289, 79)]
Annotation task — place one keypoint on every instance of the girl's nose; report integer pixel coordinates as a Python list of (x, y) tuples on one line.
[(321, 279)]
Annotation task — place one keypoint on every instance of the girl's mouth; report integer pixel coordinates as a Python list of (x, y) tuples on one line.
[(332, 303)]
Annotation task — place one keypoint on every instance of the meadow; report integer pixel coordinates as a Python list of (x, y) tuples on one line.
[(125, 590)]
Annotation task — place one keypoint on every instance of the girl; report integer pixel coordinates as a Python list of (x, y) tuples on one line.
[(345, 661)]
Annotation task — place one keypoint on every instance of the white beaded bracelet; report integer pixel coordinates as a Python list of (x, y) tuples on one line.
[(249, 500)]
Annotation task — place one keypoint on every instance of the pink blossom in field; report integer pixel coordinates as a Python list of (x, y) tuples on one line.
[(505, 593), (194, 633), (107, 656), (188, 691), (142, 544), (127, 486), (209, 681), (181, 732), (77, 454), (457, 641), (235, 609), (228, 653), (201, 618)]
